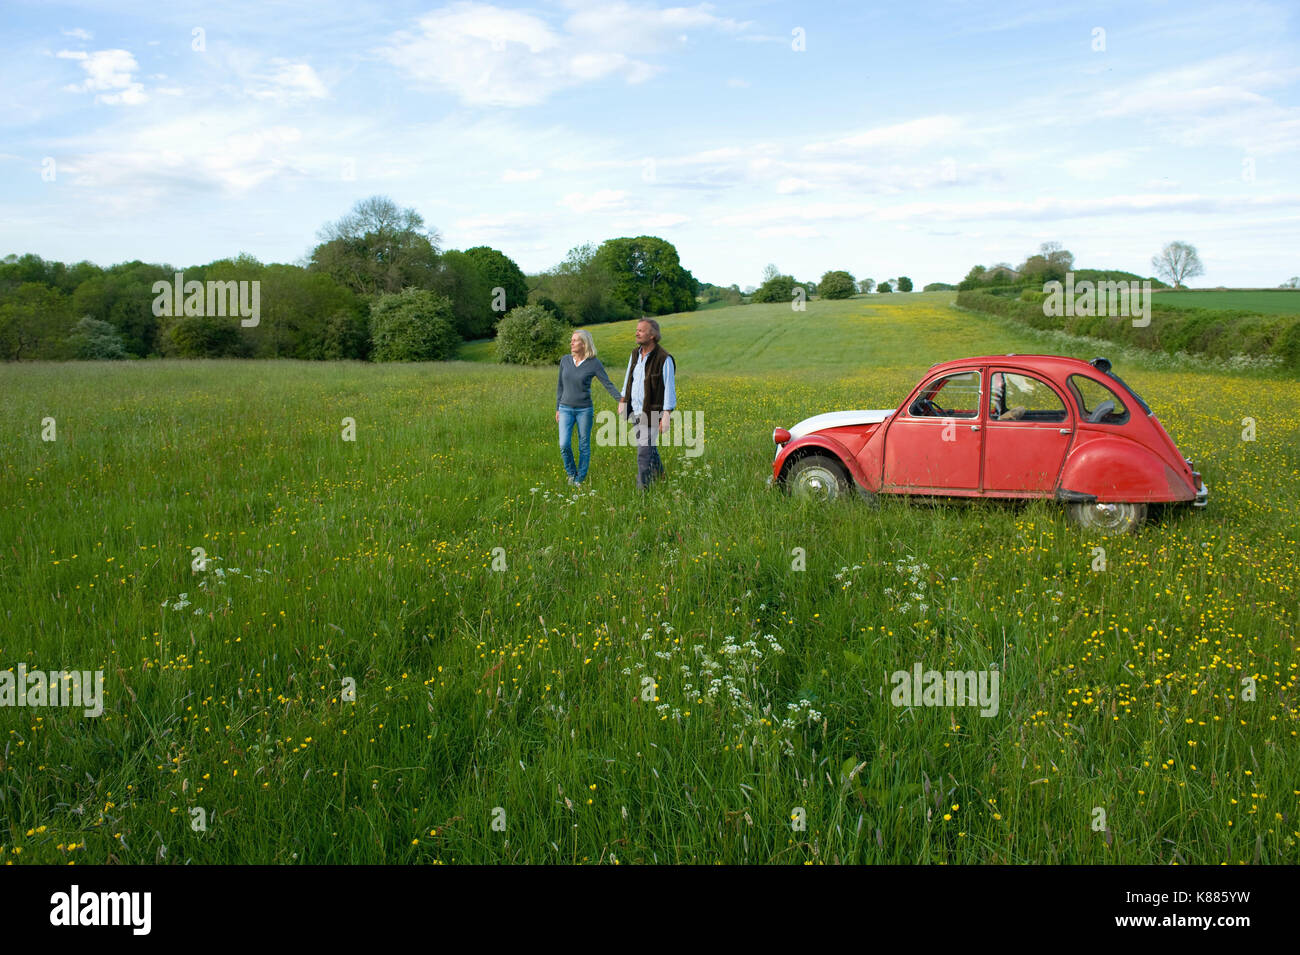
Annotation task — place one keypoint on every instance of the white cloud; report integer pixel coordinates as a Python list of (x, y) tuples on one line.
[(1096, 165), (77, 32), (602, 200), (909, 135), (288, 83), (520, 175), (491, 56), (108, 76), (793, 185)]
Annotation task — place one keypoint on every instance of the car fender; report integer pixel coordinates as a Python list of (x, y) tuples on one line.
[(817, 443), (1110, 469)]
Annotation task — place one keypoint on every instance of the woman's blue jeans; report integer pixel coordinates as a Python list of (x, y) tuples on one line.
[(582, 417)]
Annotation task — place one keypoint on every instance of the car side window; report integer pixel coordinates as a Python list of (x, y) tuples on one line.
[(1014, 397), (1097, 403), (952, 396)]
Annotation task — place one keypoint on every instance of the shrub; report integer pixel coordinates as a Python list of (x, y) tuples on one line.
[(779, 288), (531, 335), (93, 340), (413, 325), (837, 284)]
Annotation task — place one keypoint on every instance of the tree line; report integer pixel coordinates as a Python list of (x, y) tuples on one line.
[(377, 286)]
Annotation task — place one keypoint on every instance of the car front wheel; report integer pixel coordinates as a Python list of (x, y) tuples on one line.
[(817, 478), (1108, 518)]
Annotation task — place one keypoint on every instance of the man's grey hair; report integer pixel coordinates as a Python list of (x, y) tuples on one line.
[(654, 328)]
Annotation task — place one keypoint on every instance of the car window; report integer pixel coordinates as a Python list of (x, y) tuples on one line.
[(952, 396), (1015, 397), (1097, 403)]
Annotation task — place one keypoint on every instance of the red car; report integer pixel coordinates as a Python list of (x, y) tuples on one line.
[(1001, 426)]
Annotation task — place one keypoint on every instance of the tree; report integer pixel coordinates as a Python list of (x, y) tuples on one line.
[(205, 336), (94, 340), (904, 284), (1049, 264), (580, 290), (459, 277), (1292, 282), (501, 272), (413, 325), (34, 321), (884, 287), (378, 248), (779, 288), (837, 284), (866, 285), (647, 275), (531, 335), (770, 272), (1177, 261)]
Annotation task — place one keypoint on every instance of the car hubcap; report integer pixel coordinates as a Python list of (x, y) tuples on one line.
[(818, 484), (1109, 516)]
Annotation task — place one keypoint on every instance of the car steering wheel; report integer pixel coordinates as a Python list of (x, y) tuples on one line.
[(929, 408), (1103, 409)]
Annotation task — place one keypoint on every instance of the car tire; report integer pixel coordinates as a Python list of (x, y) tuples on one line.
[(817, 478), (1108, 518)]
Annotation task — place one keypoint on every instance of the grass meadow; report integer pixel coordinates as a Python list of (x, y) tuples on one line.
[(422, 646)]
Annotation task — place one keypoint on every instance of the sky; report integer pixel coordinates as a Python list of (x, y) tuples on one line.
[(899, 139)]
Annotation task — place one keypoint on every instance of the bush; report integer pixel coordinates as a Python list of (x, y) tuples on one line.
[(904, 284), (779, 288), (93, 340), (531, 335), (837, 285), (939, 287), (413, 325)]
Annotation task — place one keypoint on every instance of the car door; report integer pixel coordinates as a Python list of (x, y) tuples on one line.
[(1028, 431), (936, 442)]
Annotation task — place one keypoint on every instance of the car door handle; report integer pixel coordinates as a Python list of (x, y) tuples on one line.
[(974, 427), (1065, 431)]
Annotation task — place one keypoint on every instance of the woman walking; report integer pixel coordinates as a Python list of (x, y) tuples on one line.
[(573, 401)]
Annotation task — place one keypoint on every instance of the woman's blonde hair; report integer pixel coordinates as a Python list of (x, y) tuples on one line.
[(587, 343)]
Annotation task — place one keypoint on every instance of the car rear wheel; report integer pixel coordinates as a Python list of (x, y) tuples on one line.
[(1108, 518), (817, 478)]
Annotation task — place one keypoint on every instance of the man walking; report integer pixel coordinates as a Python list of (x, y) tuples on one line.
[(649, 394)]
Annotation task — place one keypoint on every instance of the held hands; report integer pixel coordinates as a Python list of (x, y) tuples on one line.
[(663, 421)]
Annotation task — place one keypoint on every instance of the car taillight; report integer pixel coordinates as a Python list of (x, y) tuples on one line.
[(780, 435), (1196, 480)]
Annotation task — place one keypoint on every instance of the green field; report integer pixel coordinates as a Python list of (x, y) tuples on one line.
[(1260, 301), (549, 675)]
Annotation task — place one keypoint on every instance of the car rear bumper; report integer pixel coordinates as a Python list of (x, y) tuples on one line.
[(1202, 496)]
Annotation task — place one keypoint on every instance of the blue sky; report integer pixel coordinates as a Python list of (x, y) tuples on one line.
[(914, 138)]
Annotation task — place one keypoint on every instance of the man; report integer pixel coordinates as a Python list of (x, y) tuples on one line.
[(649, 394)]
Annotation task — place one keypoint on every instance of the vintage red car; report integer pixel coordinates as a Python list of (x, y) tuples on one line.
[(1000, 426)]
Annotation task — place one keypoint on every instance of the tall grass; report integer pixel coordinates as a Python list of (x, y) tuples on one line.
[(534, 666)]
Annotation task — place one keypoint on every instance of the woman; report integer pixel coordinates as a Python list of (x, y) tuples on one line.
[(573, 401)]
